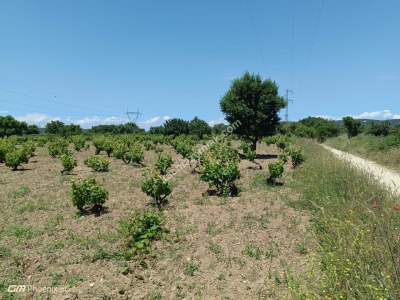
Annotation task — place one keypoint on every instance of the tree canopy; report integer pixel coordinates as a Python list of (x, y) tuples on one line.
[(58, 127), (117, 129), (199, 127), (352, 126), (176, 127), (11, 126), (255, 103)]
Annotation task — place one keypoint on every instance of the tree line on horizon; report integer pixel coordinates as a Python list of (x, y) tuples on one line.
[(253, 102)]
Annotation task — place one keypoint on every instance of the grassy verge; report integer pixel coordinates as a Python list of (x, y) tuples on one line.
[(383, 150), (356, 224)]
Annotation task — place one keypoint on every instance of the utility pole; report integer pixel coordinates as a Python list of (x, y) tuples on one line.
[(288, 92)]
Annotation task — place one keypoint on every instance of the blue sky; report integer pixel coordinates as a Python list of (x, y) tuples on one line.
[(89, 61)]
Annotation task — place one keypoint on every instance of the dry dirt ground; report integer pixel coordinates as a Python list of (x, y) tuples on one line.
[(390, 179), (245, 247)]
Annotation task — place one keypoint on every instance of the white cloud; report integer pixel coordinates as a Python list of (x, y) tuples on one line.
[(36, 118), (217, 121), (95, 120), (328, 117), (378, 115), (41, 119), (86, 122), (385, 114), (3, 112), (154, 121)]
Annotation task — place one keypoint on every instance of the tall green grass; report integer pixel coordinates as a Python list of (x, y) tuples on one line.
[(383, 150), (357, 227)]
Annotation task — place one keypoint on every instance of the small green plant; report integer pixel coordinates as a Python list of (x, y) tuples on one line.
[(79, 142), (252, 251), (5, 147), (184, 148), (98, 144), (164, 162), (302, 248), (148, 145), (155, 186), (215, 248), (248, 153), (108, 147), (283, 156), (191, 268), (275, 171), (222, 177), (29, 148), (57, 147), (141, 228), (16, 157), (98, 163), (219, 167), (119, 150), (88, 192), (297, 156), (134, 155), (68, 162)]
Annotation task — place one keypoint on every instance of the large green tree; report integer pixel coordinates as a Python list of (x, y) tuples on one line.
[(199, 127), (55, 127), (255, 103), (352, 126), (176, 127), (11, 126)]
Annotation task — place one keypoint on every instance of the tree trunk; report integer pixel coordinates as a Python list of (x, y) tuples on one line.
[(254, 144)]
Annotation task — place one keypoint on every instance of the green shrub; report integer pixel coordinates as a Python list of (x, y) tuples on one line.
[(5, 146), (97, 163), (108, 147), (248, 153), (353, 126), (119, 150), (57, 147), (297, 156), (164, 162), (68, 162), (184, 148), (379, 128), (155, 186), (29, 148), (282, 142), (219, 167), (141, 229), (275, 171), (88, 192), (98, 144), (284, 156), (79, 142), (103, 144), (134, 155), (16, 157), (148, 145)]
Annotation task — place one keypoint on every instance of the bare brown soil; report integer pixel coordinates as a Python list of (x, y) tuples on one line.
[(243, 247)]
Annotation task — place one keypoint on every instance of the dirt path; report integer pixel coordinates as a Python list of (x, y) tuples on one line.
[(387, 177)]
